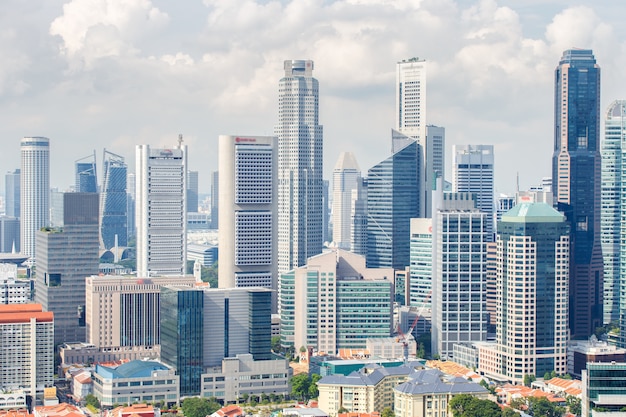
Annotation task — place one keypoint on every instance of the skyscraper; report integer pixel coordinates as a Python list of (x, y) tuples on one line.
[(215, 188), (613, 209), (113, 202), (12, 193), (86, 178), (64, 257), (346, 177), (248, 211), (358, 218), (459, 304), (161, 210), (411, 97), (392, 200), (472, 172), (576, 166), (300, 184), (192, 191), (532, 259), (34, 190)]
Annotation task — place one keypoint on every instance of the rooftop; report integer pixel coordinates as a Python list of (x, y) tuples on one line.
[(533, 213), (132, 369)]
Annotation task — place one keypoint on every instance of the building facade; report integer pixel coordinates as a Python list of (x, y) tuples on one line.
[(113, 202), (421, 267), (576, 167), (86, 180), (300, 183), (459, 307), (248, 212), (192, 191), (12, 193), (346, 179), (393, 192), (9, 234), (604, 393), (472, 172), (611, 206), (12, 289), (335, 302), (532, 258), (34, 190), (64, 257), (161, 211), (125, 311), (27, 357)]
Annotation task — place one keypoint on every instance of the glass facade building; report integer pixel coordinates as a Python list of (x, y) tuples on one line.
[(113, 202), (421, 268), (182, 322), (392, 200), (604, 389), (86, 180), (576, 168), (532, 270)]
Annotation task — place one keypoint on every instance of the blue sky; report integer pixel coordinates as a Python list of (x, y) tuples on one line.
[(93, 74)]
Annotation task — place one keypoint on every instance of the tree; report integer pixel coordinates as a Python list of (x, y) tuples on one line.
[(300, 386), (465, 405), (199, 407), (509, 412), (313, 391), (276, 343), (387, 412), (541, 407), (342, 410), (574, 405), (528, 379), (91, 400)]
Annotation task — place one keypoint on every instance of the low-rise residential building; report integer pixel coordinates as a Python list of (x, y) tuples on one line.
[(12, 400), (231, 410), (134, 410), (428, 392), (82, 385), (242, 374), (21, 412), (304, 412), (364, 391), (59, 410), (134, 382)]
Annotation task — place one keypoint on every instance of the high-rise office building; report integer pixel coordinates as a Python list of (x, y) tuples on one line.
[(421, 267), (612, 211), (131, 189), (12, 193), (64, 257), (9, 234), (326, 212), (34, 190), (27, 356), (86, 178), (161, 211), (248, 211), (411, 97), (411, 121), (358, 218), (215, 189), (300, 183), (192, 191), (472, 172), (202, 326), (576, 167), (393, 191), (125, 312), (113, 202), (335, 302), (459, 308), (346, 177), (532, 258)]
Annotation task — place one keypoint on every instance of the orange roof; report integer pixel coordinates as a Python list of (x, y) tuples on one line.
[(135, 410), (60, 410), (15, 413), (21, 313), (372, 414), (230, 410)]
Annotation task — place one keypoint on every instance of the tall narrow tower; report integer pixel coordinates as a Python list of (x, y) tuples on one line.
[(346, 177), (113, 202), (576, 167), (12, 193), (161, 210), (300, 184), (86, 178), (35, 190)]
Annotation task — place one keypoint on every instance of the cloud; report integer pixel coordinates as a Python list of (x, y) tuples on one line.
[(92, 29), (577, 27)]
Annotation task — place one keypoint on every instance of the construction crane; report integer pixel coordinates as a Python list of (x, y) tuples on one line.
[(405, 338)]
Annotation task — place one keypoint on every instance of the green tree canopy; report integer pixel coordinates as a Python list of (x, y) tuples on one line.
[(199, 407), (465, 405), (300, 386), (387, 412)]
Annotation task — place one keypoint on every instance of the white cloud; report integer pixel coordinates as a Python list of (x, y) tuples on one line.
[(93, 29)]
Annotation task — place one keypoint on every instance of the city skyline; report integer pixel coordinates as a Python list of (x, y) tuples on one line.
[(142, 72)]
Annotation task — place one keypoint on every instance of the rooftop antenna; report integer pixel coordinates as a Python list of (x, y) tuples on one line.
[(180, 141)]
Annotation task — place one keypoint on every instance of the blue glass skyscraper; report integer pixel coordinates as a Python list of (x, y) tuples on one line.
[(576, 182), (113, 205), (86, 181), (392, 200)]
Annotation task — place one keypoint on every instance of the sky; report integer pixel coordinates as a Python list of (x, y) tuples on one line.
[(94, 74)]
